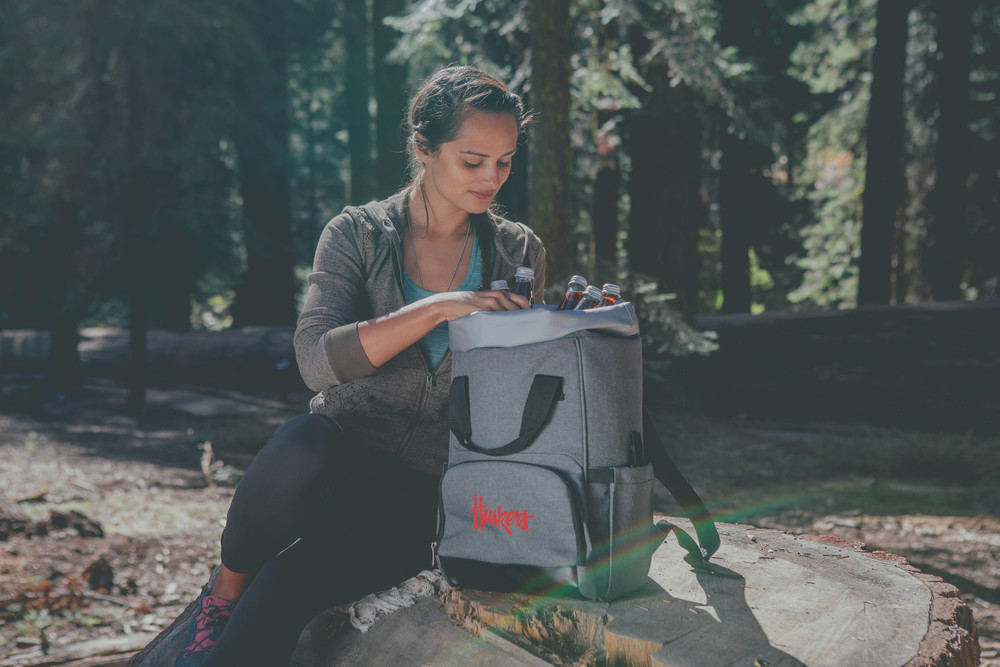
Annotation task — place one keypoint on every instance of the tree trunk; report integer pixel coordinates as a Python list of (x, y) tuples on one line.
[(549, 195), (171, 278), (736, 213), (665, 189), (354, 108), (267, 295), (884, 182), (390, 93), (136, 209), (513, 196), (947, 204), (607, 177), (607, 182), (64, 364), (737, 186)]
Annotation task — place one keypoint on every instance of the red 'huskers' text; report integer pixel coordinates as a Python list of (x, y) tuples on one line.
[(483, 516)]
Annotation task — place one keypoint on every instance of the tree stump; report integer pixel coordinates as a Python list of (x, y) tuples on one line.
[(779, 599)]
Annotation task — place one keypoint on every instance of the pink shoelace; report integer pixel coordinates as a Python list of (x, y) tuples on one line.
[(214, 610)]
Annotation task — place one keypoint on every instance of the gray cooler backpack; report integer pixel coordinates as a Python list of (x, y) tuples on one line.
[(549, 478)]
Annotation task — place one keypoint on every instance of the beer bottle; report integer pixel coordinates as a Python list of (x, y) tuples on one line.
[(611, 294), (524, 278), (574, 293), (592, 298), (499, 285)]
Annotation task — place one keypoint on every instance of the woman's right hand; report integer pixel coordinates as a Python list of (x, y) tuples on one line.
[(384, 337), (454, 305)]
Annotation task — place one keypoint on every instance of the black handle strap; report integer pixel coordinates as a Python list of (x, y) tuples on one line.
[(670, 476), (545, 391)]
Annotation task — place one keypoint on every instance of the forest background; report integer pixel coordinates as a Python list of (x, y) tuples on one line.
[(168, 164), (801, 197)]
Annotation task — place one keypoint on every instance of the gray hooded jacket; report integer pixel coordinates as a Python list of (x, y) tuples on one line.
[(400, 407)]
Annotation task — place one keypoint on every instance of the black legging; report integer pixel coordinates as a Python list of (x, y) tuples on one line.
[(363, 523)]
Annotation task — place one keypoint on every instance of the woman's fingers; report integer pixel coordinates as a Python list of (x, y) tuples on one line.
[(510, 301), (459, 304), (504, 300)]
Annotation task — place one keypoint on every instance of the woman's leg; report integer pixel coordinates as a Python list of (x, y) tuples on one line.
[(372, 530), (277, 496), (271, 506)]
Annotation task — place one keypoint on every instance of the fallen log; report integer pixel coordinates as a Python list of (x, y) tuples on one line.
[(110, 652)]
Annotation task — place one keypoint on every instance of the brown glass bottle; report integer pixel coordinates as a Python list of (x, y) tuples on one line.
[(574, 293), (611, 294), (592, 298)]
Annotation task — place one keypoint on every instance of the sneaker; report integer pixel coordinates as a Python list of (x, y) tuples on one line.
[(208, 625), (163, 650)]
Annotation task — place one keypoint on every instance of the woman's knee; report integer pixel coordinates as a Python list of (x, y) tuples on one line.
[(307, 440)]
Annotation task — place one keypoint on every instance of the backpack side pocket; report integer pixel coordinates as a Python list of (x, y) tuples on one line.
[(620, 521)]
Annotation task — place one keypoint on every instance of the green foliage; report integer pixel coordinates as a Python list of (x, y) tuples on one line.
[(983, 273), (67, 160), (834, 63), (490, 34), (317, 140), (832, 244), (108, 116), (666, 337)]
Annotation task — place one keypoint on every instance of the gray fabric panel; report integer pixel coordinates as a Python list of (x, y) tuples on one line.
[(621, 530), (540, 323), (633, 536), (585, 438), (499, 379), (549, 538), (612, 382)]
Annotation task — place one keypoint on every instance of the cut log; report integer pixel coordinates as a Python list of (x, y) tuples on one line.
[(776, 599), (418, 635), (779, 600)]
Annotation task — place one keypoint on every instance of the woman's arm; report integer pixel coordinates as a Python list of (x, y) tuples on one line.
[(328, 321), (382, 338), (332, 347)]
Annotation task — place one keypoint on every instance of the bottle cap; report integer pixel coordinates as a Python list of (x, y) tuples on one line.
[(499, 285), (578, 280), (524, 272), (592, 293), (611, 288)]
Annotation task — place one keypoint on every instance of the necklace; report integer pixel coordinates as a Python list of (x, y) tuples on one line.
[(416, 260)]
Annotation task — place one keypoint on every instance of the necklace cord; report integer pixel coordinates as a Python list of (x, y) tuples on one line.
[(413, 247)]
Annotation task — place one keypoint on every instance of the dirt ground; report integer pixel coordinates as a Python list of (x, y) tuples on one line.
[(151, 497)]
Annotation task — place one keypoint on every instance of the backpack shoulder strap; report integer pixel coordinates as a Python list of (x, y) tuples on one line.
[(670, 476)]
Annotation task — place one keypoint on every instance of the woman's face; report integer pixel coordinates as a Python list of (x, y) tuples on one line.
[(466, 173)]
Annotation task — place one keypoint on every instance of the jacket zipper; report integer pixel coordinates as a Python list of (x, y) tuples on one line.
[(397, 256), (428, 386)]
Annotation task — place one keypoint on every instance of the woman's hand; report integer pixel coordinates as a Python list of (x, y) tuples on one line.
[(454, 305), (384, 337)]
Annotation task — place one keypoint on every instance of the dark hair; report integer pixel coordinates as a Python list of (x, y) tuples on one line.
[(439, 107)]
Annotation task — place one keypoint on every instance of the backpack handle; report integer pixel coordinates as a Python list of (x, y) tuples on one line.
[(545, 391)]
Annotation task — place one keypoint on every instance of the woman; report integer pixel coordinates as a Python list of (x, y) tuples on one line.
[(341, 502)]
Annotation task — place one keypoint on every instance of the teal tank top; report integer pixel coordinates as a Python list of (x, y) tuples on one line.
[(434, 344)]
